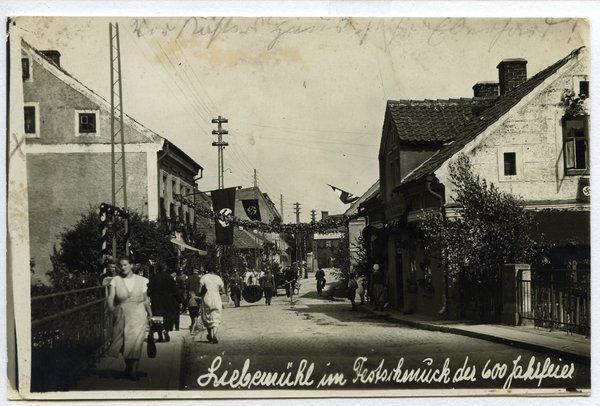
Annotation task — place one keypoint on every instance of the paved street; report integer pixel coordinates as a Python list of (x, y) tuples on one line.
[(335, 340)]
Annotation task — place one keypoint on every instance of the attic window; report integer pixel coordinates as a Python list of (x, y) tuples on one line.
[(510, 163), (87, 123), (25, 68), (30, 120)]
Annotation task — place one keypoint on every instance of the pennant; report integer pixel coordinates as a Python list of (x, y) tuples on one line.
[(252, 209), (223, 201), (344, 196)]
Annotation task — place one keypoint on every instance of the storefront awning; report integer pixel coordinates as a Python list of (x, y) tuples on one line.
[(187, 247)]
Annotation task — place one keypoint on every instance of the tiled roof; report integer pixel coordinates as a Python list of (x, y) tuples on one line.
[(433, 120), (486, 118)]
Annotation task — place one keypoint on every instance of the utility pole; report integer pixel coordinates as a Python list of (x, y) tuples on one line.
[(297, 211), (221, 145), (281, 206), (117, 139), (297, 233), (313, 215)]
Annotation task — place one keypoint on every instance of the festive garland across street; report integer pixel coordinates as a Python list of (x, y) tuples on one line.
[(272, 227)]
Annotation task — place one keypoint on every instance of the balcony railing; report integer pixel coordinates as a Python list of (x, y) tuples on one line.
[(557, 299), (68, 331)]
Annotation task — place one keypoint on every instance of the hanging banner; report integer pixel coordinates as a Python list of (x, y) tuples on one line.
[(223, 201), (252, 209)]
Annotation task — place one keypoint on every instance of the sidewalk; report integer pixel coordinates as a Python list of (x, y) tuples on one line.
[(160, 373), (558, 344)]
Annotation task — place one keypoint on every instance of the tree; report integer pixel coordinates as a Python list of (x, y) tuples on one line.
[(76, 263), (491, 229)]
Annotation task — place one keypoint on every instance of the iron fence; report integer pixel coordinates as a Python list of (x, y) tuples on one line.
[(557, 299), (69, 331)]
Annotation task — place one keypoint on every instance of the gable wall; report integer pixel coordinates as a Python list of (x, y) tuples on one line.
[(534, 132)]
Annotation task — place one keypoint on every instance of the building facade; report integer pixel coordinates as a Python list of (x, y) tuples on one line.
[(518, 135), (68, 129)]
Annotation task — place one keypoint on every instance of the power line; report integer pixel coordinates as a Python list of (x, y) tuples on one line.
[(160, 76)]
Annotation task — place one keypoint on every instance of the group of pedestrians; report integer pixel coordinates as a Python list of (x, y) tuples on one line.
[(357, 285), (140, 305)]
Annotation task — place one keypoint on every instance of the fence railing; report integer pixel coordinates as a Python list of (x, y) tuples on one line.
[(557, 299), (68, 331)]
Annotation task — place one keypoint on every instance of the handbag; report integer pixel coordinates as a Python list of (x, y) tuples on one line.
[(203, 290), (151, 345)]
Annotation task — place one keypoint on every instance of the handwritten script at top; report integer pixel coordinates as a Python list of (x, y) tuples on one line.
[(391, 31)]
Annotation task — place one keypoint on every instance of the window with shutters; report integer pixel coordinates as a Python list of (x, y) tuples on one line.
[(575, 145)]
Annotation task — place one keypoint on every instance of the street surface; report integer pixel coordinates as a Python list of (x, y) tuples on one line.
[(320, 344)]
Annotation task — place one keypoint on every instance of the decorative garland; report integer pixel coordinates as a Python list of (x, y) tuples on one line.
[(272, 227)]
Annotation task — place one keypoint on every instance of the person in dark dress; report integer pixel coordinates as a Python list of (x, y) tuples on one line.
[(236, 285), (377, 288), (320, 277), (352, 286), (162, 291)]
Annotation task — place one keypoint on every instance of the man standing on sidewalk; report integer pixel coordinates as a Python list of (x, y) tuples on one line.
[(377, 287), (320, 276)]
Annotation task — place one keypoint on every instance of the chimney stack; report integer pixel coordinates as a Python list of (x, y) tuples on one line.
[(324, 215), (511, 72), (486, 90), (53, 55)]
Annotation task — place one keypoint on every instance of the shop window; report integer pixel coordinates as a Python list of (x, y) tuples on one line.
[(575, 145)]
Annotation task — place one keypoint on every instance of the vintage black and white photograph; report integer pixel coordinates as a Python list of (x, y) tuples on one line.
[(291, 207)]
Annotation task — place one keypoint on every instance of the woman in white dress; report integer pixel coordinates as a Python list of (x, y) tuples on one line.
[(129, 303), (211, 302)]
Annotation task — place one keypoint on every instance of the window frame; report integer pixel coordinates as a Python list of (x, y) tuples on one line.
[(519, 166), (36, 107), (29, 77), (566, 138), (78, 133)]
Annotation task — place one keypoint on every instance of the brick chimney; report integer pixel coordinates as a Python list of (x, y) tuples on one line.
[(324, 215), (511, 73), (486, 90), (53, 55)]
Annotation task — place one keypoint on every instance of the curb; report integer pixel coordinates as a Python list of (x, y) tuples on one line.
[(581, 359)]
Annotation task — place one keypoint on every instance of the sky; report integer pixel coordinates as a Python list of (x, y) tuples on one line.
[(305, 97)]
